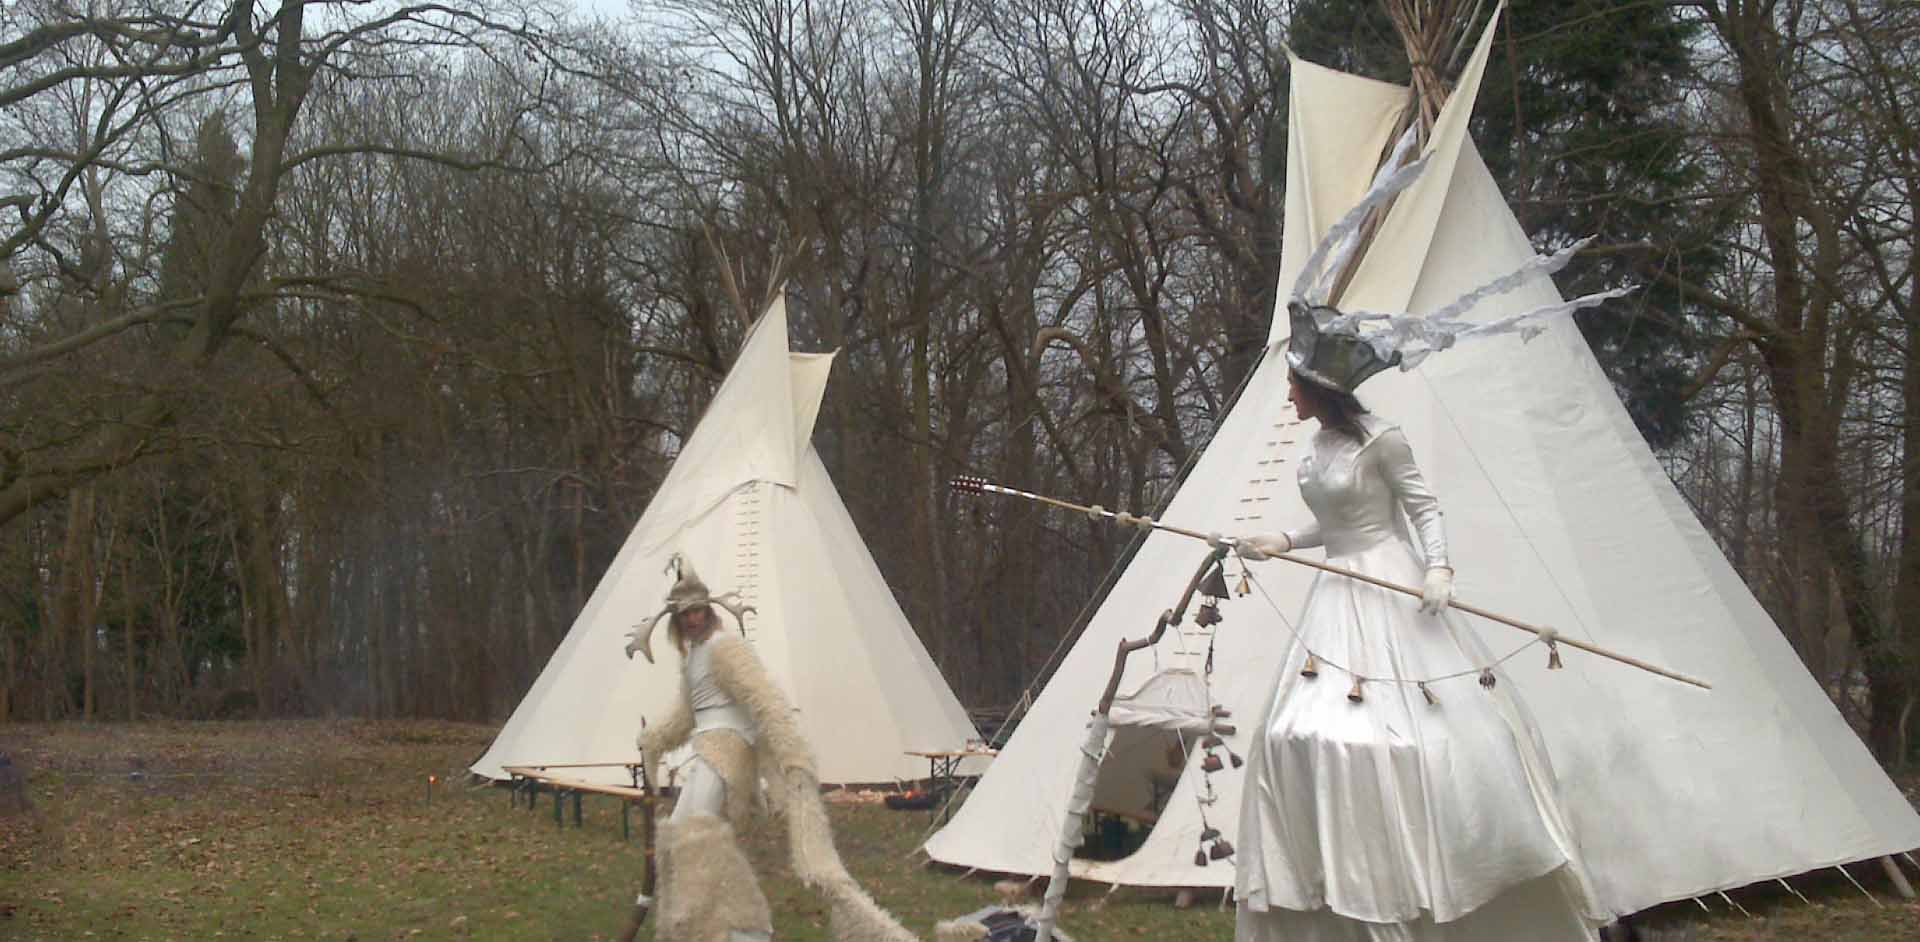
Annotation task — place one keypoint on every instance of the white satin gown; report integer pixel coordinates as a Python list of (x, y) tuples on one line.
[(1393, 819)]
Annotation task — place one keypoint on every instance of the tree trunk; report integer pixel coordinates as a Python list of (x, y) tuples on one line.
[(85, 597), (1907, 582), (1803, 248)]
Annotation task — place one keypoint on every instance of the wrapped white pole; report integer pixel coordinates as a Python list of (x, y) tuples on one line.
[(1094, 749), (1072, 827)]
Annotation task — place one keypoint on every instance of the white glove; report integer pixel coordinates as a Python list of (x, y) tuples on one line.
[(1262, 547), (1437, 591)]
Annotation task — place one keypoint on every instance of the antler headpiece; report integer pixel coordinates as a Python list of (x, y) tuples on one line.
[(688, 593)]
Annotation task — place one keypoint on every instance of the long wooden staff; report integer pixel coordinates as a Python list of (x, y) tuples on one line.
[(649, 851), (975, 485)]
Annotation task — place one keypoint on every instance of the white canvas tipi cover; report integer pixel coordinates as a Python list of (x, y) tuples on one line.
[(749, 503), (1556, 512)]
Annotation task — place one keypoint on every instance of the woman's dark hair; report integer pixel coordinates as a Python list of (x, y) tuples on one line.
[(1337, 409)]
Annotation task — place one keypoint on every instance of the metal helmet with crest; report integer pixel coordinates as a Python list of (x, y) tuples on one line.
[(1339, 361)]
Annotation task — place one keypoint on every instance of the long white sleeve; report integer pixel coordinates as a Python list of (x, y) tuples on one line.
[(1305, 536), (1416, 498)]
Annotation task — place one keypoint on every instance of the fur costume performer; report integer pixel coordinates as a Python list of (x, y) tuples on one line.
[(708, 894)]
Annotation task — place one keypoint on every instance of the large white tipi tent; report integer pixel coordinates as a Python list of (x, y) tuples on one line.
[(1556, 512), (750, 505)]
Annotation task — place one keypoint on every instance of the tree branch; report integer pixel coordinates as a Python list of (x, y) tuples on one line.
[(91, 335)]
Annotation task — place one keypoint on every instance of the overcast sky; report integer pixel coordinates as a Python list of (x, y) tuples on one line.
[(611, 9)]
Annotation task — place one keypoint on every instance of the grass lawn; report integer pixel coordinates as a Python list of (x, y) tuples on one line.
[(322, 830)]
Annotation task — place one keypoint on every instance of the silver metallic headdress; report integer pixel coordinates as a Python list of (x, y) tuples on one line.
[(1344, 349), (688, 592), (1340, 361)]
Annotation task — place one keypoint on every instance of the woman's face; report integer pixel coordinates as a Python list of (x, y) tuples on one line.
[(694, 622), (1302, 403)]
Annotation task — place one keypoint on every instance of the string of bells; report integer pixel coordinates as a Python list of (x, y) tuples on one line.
[(1213, 845), (1315, 661)]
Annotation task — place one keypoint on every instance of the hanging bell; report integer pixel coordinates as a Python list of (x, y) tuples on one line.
[(1200, 857), (1208, 615), (1431, 699), (1244, 588), (1225, 729), (1221, 712), (1355, 695), (1553, 657), (1221, 850), (1211, 763), (1210, 834), (1234, 757), (1311, 668), (1486, 678), (1211, 741)]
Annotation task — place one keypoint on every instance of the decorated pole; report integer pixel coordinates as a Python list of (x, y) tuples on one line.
[(975, 485), (1094, 748)]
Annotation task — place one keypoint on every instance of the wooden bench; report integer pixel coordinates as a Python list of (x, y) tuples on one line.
[(1138, 817), (531, 780)]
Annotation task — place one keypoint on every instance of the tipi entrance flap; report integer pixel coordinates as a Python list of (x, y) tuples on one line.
[(810, 371)]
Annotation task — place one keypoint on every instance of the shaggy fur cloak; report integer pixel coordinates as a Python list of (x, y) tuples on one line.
[(783, 760)]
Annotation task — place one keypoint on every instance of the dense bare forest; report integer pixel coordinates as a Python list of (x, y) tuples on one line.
[(341, 344)]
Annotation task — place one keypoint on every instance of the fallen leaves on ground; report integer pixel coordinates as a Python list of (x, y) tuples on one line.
[(305, 830)]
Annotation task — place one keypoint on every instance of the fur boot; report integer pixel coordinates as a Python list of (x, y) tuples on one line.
[(707, 889)]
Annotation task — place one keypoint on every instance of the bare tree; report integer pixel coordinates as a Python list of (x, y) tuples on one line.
[(124, 75)]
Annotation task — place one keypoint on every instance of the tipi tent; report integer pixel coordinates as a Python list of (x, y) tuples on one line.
[(1556, 511), (750, 505)]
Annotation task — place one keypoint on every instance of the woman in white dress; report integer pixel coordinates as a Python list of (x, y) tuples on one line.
[(1377, 809)]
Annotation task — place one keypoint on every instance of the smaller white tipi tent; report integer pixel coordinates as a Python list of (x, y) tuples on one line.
[(749, 503)]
